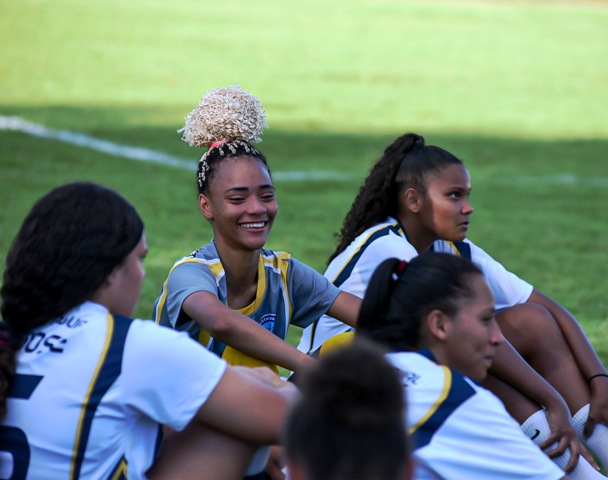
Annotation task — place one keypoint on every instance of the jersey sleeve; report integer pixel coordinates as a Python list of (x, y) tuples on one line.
[(479, 441), (310, 293), (184, 280), (166, 375), (508, 288), (355, 275)]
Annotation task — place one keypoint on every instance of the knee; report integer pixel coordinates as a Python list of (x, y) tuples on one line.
[(528, 325)]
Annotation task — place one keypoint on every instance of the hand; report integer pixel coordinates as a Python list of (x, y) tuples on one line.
[(598, 410), (274, 466), (563, 433)]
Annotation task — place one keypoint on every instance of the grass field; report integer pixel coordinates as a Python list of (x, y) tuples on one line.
[(519, 90)]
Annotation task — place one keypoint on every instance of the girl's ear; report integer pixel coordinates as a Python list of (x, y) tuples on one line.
[(412, 199), (438, 325), (204, 205)]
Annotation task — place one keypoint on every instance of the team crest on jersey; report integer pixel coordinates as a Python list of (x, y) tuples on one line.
[(268, 321), (409, 378)]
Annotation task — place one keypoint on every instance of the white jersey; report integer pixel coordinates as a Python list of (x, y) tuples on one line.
[(461, 430), (351, 270), (91, 392)]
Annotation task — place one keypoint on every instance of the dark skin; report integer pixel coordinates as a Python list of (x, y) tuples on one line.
[(522, 375), (241, 206)]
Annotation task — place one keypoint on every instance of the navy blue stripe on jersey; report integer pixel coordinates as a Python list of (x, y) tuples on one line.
[(108, 374), (460, 391), (348, 268), (464, 249), (23, 386)]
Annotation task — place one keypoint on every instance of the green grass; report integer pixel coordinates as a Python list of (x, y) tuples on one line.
[(518, 90)]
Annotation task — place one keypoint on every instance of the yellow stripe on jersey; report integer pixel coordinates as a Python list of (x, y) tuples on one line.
[(454, 248), (121, 471), (102, 359), (447, 384), (259, 292), (215, 267), (279, 262)]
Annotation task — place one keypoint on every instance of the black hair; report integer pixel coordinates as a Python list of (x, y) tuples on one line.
[(406, 163), (400, 295), (208, 164), (68, 244), (349, 422)]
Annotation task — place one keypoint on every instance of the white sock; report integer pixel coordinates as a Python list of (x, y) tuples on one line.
[(258, 462), (537, 429), (597, 443)]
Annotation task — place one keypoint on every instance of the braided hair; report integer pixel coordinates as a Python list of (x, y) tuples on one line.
[(406, 163)]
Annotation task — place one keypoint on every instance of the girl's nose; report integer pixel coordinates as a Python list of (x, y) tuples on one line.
[(496, 337)]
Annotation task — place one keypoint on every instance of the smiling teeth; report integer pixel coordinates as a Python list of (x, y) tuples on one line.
[(253, 225)]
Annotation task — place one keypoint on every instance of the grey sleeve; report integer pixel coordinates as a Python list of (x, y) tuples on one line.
[(310, 293)]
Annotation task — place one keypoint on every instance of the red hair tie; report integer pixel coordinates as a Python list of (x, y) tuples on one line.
[(217, 143), (402, 266)]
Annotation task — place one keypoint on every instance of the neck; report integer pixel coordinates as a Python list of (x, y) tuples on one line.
[(241, 266), (420, 238)]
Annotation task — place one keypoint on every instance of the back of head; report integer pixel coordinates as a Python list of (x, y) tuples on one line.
[(400, 295), (68, 244), (407, 162), (226, 121), (349, 422)]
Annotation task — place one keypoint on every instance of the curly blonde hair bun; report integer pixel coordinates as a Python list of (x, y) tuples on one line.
[(228, 113)]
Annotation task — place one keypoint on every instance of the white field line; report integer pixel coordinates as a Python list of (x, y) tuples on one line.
[(143, 154), (152, 156)]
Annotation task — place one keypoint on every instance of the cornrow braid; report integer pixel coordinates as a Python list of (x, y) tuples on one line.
[(208, 163), (226, 121), (378, 196)]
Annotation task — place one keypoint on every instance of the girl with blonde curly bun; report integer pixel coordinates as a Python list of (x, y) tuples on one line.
[(215, 292)]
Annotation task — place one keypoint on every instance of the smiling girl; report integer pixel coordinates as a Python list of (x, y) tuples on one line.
[(416, 199), (234, 296)]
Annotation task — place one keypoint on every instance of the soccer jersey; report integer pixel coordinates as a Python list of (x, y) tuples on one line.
[(352, 269), (91, 392), (461, 430), (287, 292)]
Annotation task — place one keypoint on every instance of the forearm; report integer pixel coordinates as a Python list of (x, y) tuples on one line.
[(510, 367), (251, 338), (241, 333), (584, 353)]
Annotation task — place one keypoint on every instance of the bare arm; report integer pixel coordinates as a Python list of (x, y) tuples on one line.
[(242, 333), (346, 308), (248, 406), (587, 359), (510, 367)]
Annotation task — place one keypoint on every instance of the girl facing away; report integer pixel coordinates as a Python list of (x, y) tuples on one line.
[(416, 199), (436, 317), (215, 292), (84, 389), (348, 420)]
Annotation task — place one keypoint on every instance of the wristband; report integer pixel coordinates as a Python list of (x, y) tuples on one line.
[(597, 375)]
